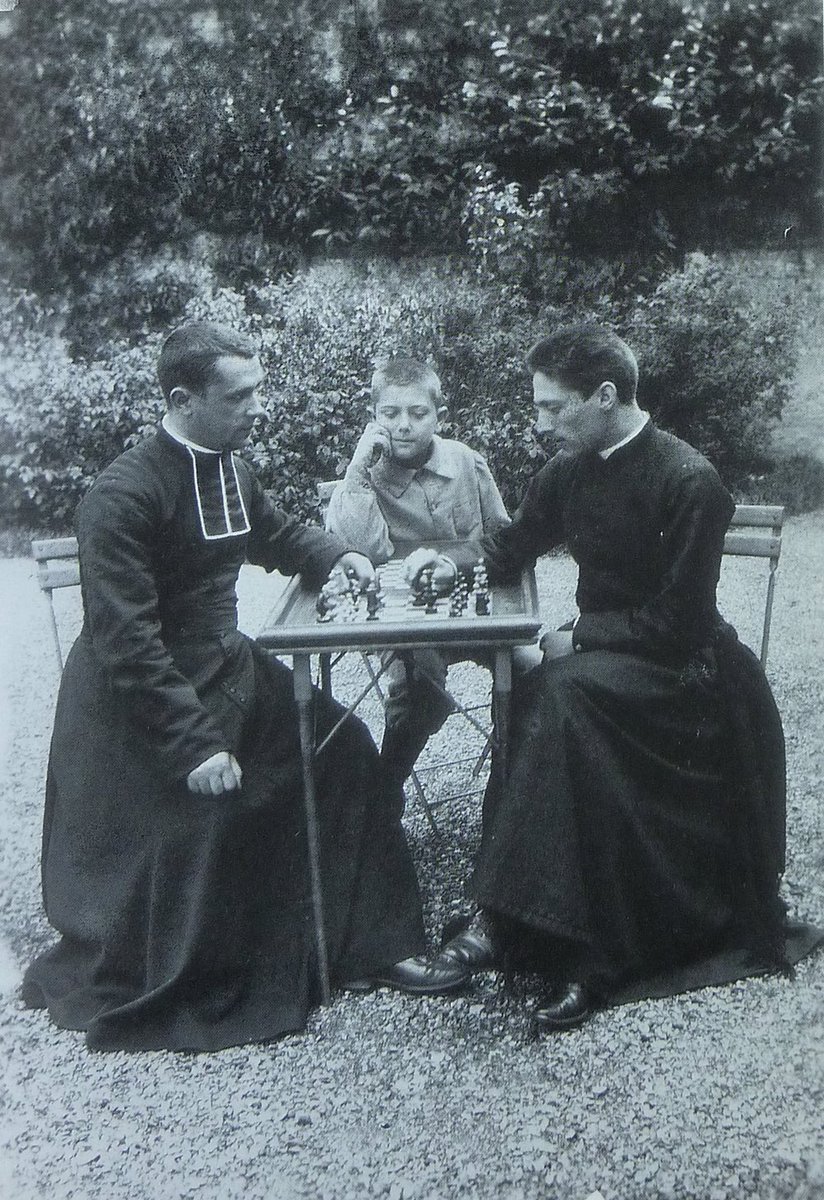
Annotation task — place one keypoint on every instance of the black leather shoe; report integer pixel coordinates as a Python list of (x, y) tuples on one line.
[(419, 976), (565, 1007), (471, 947)]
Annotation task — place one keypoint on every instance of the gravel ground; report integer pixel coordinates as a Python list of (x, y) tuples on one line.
[(712, 1095)]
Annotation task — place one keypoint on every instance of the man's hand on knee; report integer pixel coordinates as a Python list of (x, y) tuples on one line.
[(218, 774), (557, 643)]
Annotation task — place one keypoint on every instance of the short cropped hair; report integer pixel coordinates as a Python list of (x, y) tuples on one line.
[(583, 356), (191, 351), (405, 372)]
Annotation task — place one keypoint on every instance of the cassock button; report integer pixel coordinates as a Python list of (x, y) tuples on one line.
[(577, 647)]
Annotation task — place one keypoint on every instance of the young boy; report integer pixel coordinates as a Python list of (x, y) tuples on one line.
[(406, 484)]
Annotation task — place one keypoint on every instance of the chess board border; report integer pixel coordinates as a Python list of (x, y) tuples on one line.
[(292, 625)]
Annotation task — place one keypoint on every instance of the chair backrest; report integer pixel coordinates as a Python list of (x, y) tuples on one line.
[(324, 493), (57, 567), (755, 532)]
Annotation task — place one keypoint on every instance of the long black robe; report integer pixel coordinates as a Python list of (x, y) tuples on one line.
[(642, 822), (186, 921)]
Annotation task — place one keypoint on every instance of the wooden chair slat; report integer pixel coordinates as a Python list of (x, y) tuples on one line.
[(758, 515), (54, 548), (752, 545), (58, 573)]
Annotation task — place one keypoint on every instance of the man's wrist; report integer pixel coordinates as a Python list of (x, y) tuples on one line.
[(444, 558)]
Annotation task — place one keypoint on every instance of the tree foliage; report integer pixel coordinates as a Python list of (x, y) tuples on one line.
[(630, 130)]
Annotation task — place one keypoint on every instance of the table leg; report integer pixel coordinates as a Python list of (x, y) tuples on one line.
[(502, 696), (304, 696), (326, 674)]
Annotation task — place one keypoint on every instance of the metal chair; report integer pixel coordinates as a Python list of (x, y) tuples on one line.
[(428, 766), (57, 567), (755, 532)]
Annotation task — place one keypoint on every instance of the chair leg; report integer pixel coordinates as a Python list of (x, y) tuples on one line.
[(424, 803), (55, 634)]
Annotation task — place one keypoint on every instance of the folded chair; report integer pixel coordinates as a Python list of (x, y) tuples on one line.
[(427, 764), (755, 532), (57, 567)]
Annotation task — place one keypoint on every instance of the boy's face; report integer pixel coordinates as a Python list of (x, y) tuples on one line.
[(410, 417)]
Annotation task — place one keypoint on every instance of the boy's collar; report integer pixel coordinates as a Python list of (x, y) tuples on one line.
[(397, 478)]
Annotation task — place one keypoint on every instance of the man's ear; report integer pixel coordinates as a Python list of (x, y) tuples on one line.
[(442, 413), (180, 398), (607, 395)]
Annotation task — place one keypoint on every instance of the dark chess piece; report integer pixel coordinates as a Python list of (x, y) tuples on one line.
[(373, 601), (420, 588)]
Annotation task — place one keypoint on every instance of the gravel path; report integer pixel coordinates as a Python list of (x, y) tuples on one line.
[(714, 1095)]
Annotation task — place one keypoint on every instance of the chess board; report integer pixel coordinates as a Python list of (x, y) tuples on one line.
[(396, 600), (294, 624)]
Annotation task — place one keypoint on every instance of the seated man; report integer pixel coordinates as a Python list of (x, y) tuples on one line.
[(641, 825), (174, 852), (406, 484)]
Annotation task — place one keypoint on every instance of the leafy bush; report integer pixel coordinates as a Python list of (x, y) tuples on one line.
[(62, 421), (714, 369), (796, 481)]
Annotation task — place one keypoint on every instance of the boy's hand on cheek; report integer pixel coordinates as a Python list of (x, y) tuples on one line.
[(374, 441)]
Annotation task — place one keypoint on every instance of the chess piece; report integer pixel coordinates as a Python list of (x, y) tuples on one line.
[(373, 602), (420, 588), (431, 593), (327, 600), (482, 598)]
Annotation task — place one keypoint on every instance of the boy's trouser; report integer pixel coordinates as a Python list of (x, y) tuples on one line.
[(415, 709)]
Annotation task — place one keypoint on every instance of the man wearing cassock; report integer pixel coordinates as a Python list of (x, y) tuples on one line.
[(174, 858), (641, 824)]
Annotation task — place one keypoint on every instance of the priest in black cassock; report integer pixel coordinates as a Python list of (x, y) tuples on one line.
[(640, 830), (174, 858)]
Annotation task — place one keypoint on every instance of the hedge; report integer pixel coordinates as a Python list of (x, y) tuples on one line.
[(715, 368)]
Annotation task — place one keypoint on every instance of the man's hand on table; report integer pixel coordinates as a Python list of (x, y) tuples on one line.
[(356, 566), (444, 571)]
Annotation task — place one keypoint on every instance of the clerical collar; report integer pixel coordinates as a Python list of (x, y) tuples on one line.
[(605, 454), (184, 441), (220, 506)]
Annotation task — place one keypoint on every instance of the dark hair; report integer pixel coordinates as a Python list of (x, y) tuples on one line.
[(583, 356), (191, 351), (404, 372)]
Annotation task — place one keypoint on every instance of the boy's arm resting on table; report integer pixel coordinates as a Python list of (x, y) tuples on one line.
[(116, 530), (676, 618)]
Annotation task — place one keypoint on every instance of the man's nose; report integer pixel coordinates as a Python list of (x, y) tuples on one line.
[(256, 408), (404, 423)]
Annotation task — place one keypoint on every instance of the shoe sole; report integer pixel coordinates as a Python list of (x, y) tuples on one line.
[(411, 990), (560, 1024)]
